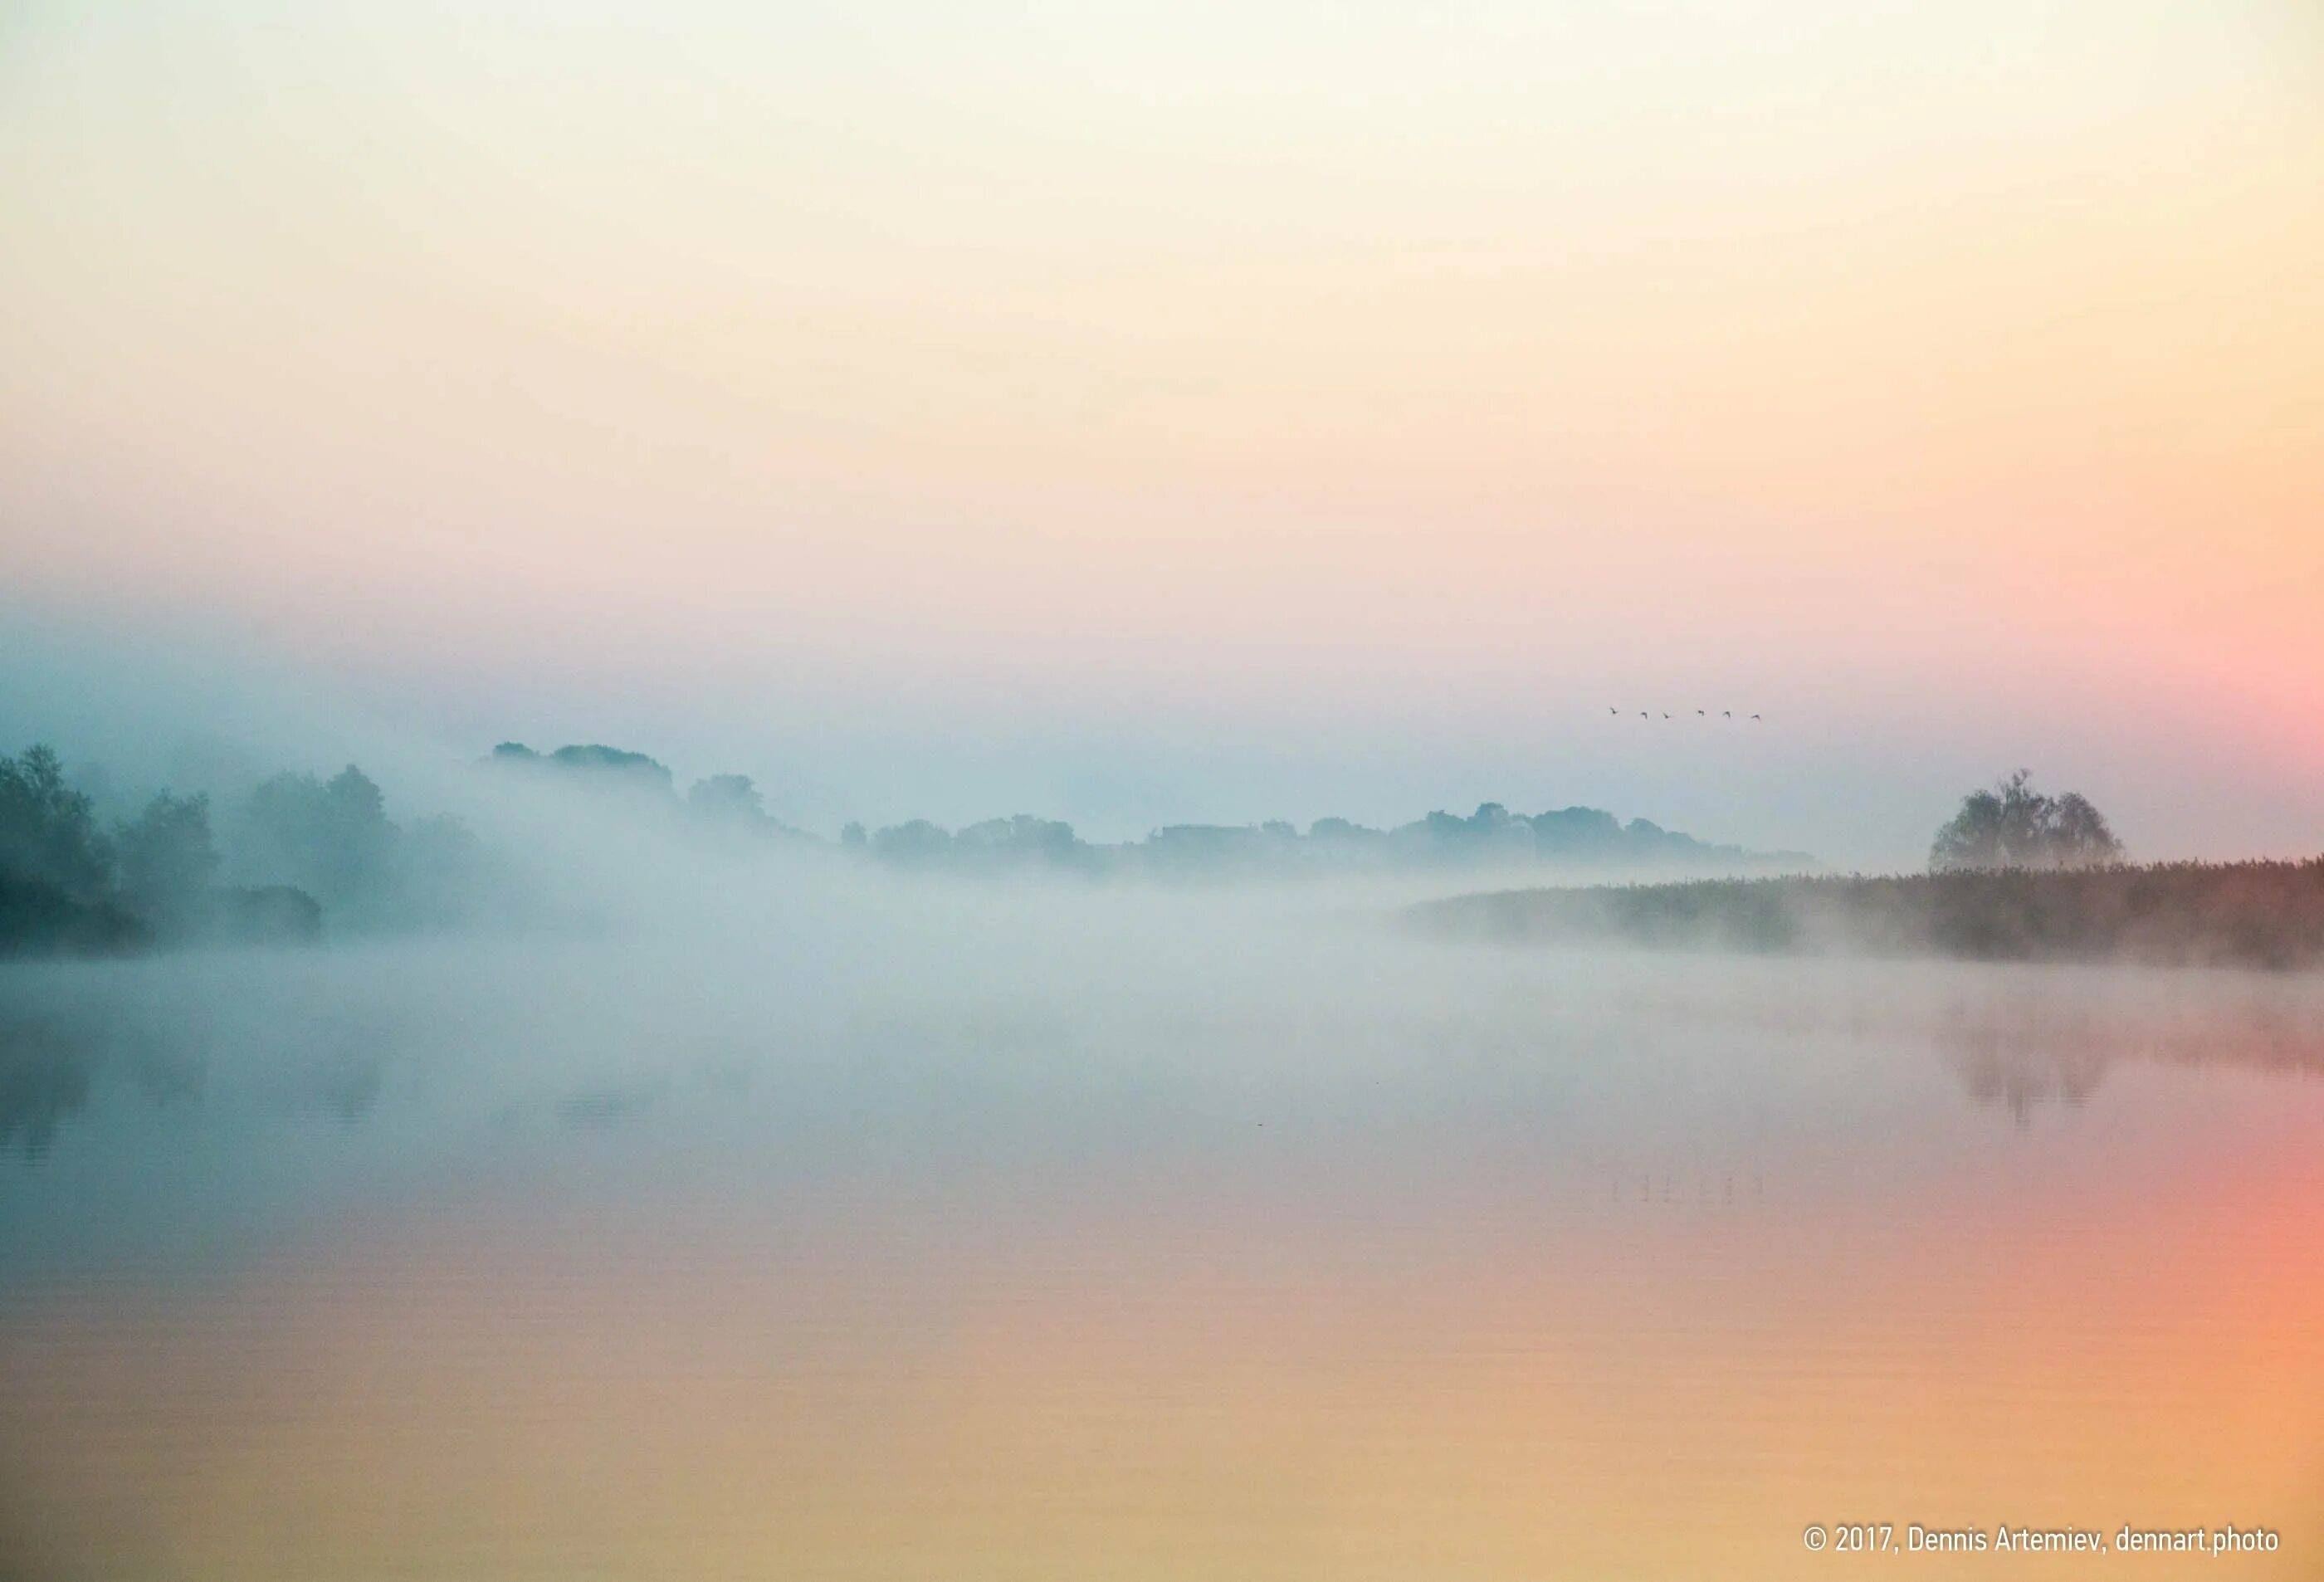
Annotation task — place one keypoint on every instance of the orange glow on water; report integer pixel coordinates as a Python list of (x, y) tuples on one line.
[(1200, 1396)]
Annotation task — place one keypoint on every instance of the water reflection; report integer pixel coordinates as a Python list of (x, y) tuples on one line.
[(1505, 1268), (341, 1079), (2018, 1040), (51, 1065), (2026, 1038), (2024, 1056), (43, 1077), (593, 1108)]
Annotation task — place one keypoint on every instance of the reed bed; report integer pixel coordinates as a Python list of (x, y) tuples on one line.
[(2254, 914)]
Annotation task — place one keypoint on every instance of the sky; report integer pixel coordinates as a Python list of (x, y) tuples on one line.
[(1149, 412)]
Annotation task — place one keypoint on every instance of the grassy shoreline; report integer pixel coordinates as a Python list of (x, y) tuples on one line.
[(2253, 914)]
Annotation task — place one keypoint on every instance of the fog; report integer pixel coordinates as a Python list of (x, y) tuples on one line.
[(598, 939), (659, 1188), (817, 1021), (909, 794)]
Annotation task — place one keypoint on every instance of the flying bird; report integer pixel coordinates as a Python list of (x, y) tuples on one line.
[(1665, 714), (1755, 716), (1698, 713), (1727, 713), (1642, 714), (1613, 711)]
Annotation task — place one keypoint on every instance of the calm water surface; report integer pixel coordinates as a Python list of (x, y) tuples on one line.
[(1138, 1246)]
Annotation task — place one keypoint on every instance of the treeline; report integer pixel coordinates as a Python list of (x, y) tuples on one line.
[(298, 856), (2258, 915), (724, 803), (297, 853), (1492, 837)]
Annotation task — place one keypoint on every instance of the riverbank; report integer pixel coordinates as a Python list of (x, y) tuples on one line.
[(2257, 915)]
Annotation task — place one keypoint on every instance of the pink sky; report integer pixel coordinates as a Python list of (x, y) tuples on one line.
[(1144, 412)]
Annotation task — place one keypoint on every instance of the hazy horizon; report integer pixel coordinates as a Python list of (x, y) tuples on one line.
[(1768, 424), (151, 711)]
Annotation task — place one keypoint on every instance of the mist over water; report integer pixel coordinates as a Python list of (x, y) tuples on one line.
[(609, 1180), (900, 1227), (1197, 792)]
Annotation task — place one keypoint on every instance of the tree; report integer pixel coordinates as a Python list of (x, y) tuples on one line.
[(918, 842), (1022, 839), (1973, 837), (727, 802), (47, 830), (167, 861), (332, 839), (2083, 833), (2013, 825), (614, 766)]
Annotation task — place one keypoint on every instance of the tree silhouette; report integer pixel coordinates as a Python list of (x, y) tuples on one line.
[(727, 802), (48, 831), (330, 839), (167, 861), (2013, 825)]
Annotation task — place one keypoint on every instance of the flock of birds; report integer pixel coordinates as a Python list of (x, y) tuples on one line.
[(1698, 714)]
